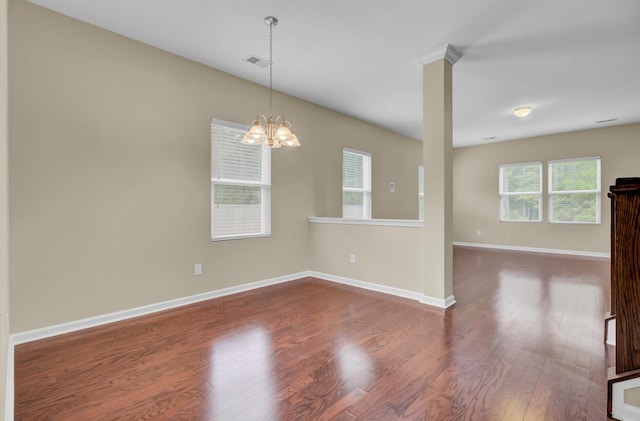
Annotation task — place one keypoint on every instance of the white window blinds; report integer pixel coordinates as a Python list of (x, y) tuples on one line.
[(356, 184), (574, 191), (240, 184), (520, 192)]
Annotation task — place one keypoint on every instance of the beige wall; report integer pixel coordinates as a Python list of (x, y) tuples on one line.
[(109, 187), (393, 159), (4, 210), (110, 161), (475, 188), (386, 255)]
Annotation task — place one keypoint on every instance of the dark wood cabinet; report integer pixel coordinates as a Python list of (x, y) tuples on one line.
[(625, 271)]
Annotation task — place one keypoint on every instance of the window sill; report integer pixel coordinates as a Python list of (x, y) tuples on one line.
[(239, 237), (527, 221), (573, 223), (380, 222)]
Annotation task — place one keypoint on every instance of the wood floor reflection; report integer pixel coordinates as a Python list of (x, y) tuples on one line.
[(524, 341)]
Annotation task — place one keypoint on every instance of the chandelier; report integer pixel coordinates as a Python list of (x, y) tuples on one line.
[(270, 132)]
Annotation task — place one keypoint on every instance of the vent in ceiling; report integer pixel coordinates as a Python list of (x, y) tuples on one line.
[(606, 121), (258, 61)]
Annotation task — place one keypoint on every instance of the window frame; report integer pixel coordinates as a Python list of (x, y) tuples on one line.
[(502, 194), (598, 191), (366, 182), (420, 192), (264, 184)]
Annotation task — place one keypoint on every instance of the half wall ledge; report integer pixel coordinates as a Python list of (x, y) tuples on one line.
[(380, 222)]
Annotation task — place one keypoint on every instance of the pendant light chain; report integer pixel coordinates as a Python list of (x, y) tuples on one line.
[(268, 131), (270, 67)]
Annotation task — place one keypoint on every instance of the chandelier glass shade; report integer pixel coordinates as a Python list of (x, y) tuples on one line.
[(269, 131)]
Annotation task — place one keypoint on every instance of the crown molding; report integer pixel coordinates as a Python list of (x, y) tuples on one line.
[(447, 52)]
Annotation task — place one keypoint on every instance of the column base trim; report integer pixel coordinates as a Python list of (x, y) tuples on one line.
[(438, 302)]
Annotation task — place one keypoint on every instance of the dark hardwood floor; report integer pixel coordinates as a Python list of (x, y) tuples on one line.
[(523, 342)]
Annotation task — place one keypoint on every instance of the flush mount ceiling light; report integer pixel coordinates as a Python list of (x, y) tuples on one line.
[(522, 112), (270, 132)]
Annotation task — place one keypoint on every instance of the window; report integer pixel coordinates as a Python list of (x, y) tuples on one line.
[(574, 191), (240, 184), (356, 184), (420, 192), (521, 192)]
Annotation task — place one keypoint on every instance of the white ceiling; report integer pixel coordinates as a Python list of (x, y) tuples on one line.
[(573, 61)]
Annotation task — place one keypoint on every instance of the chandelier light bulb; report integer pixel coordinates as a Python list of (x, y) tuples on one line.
[(283, 133)]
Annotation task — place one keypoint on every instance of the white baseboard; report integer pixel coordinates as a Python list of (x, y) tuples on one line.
[(438, 302), (535, 250), (62, 328), (10, 391), (404, 293), (59, 329), (49, 331), (398, 292)]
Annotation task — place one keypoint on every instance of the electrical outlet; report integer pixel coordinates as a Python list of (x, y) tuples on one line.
[(352, 258), (197, 269), (392, 187), (479, 233)]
